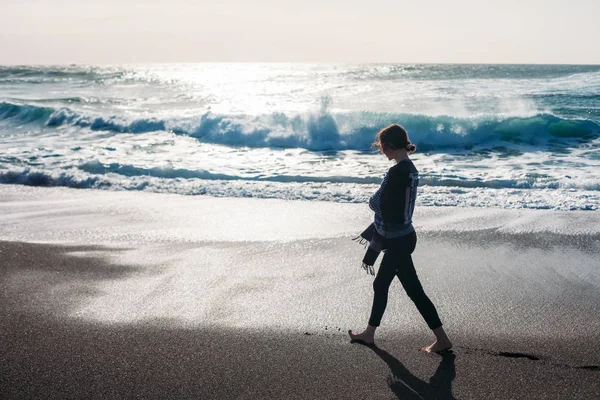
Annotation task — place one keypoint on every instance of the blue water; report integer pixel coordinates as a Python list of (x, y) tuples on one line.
[(508, 136)]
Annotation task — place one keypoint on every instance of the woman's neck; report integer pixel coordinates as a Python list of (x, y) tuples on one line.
[(401, 155)]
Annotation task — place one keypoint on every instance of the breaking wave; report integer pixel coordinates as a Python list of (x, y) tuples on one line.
[(327, 131), (93, 173)]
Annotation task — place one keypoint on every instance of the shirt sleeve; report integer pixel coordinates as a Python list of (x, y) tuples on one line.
[(375, 200), (393, 194)]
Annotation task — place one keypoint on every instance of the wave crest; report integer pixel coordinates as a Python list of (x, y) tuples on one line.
[(329, 131), (24, 114), (91, 174)]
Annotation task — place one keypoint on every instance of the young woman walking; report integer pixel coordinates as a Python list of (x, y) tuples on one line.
[(393, 205)]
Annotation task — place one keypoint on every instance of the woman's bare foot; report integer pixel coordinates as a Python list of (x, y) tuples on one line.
[(438, 347), (441, 344), (367, 337)]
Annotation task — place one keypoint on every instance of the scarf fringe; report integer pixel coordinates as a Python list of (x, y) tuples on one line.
[(370, 239), (360, 240), (369, 268)]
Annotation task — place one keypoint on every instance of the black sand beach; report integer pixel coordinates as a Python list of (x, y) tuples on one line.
[(92, 315)]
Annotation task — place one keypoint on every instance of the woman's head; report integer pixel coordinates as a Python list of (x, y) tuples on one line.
[(393, 138)]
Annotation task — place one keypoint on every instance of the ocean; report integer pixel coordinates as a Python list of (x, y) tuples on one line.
[(496, 136)]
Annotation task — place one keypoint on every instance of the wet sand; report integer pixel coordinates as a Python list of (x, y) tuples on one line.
[(137, 312)]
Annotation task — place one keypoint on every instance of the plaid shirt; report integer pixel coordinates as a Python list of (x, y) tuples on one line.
[(375, 205)]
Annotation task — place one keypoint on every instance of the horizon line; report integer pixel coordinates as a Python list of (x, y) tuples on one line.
[(295, 62)]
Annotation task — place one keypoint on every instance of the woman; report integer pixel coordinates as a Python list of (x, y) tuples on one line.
[(393, 205)]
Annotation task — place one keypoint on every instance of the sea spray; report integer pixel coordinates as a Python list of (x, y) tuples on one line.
[(510, 136)]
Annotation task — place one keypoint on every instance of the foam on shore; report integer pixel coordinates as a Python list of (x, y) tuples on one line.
[(61, 215)]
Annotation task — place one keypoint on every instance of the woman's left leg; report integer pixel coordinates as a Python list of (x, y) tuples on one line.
[(410, 281)]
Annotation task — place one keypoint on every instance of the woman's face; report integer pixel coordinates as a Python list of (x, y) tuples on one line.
[(390, 153)]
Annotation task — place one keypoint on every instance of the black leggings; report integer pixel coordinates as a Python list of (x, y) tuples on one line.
[(397, 261)]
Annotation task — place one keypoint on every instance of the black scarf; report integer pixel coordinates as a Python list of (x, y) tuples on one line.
[(376, 245)]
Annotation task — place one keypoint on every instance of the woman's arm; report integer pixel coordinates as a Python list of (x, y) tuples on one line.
[(393, 193), (375, 200)]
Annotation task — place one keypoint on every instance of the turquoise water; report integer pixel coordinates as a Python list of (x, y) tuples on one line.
[(509, 136)]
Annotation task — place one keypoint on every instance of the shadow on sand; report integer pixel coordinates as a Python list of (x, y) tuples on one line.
[(407, 386)]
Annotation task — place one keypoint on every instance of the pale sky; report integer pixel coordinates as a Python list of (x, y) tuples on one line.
[(426, 31)]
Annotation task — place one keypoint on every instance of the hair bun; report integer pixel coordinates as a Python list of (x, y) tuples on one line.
[(410, 147)]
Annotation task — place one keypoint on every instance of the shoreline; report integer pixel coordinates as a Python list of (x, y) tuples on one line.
[(125, 301), (193, 219)]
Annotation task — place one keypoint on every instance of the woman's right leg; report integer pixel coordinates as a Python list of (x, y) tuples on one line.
[(381, 286), (385, 276)]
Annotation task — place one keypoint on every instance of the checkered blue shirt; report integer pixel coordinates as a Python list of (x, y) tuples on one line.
[(375, 205), (405, 202)]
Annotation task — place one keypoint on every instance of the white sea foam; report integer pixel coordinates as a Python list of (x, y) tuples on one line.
[(492, 136)]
